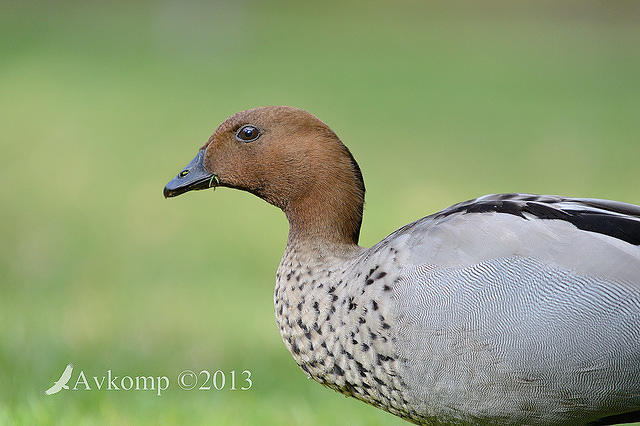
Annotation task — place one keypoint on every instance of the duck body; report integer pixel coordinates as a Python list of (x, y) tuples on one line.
[(472, 317), (506, 309)]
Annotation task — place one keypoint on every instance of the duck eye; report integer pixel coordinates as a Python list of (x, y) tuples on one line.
[(248, 134)]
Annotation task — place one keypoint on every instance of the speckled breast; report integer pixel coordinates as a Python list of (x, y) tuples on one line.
[(335, 322)]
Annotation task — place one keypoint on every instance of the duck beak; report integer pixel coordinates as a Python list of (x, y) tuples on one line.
[(193, 177)]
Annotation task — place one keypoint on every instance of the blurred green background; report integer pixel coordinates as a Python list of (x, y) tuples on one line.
[(103, 102)]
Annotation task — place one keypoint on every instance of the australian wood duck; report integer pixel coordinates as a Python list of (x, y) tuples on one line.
[(510, 308)]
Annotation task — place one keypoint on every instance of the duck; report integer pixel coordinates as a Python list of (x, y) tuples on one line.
[(505, 309)]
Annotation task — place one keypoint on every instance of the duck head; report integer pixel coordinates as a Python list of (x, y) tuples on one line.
[(289, 158)]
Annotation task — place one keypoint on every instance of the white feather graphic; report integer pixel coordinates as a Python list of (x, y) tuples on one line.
[(61, 383)]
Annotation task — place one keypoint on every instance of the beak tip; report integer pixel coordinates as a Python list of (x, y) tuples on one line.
[(173, 189)]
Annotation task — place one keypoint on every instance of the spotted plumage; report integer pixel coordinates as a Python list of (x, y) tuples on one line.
[(338, 334)]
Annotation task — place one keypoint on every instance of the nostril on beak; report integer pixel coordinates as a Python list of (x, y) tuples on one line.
[(183, 173)]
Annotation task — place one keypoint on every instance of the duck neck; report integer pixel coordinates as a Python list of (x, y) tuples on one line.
[(326, 219), (325, 200)]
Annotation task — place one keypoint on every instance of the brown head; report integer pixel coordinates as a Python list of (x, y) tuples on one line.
[(292, 160)]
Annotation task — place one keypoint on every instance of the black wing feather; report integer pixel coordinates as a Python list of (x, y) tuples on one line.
[(612, 218)]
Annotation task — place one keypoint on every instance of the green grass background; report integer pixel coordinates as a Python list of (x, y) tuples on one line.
[(103, 102)]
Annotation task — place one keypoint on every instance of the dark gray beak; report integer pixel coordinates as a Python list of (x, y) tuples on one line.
[(192, 177)]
